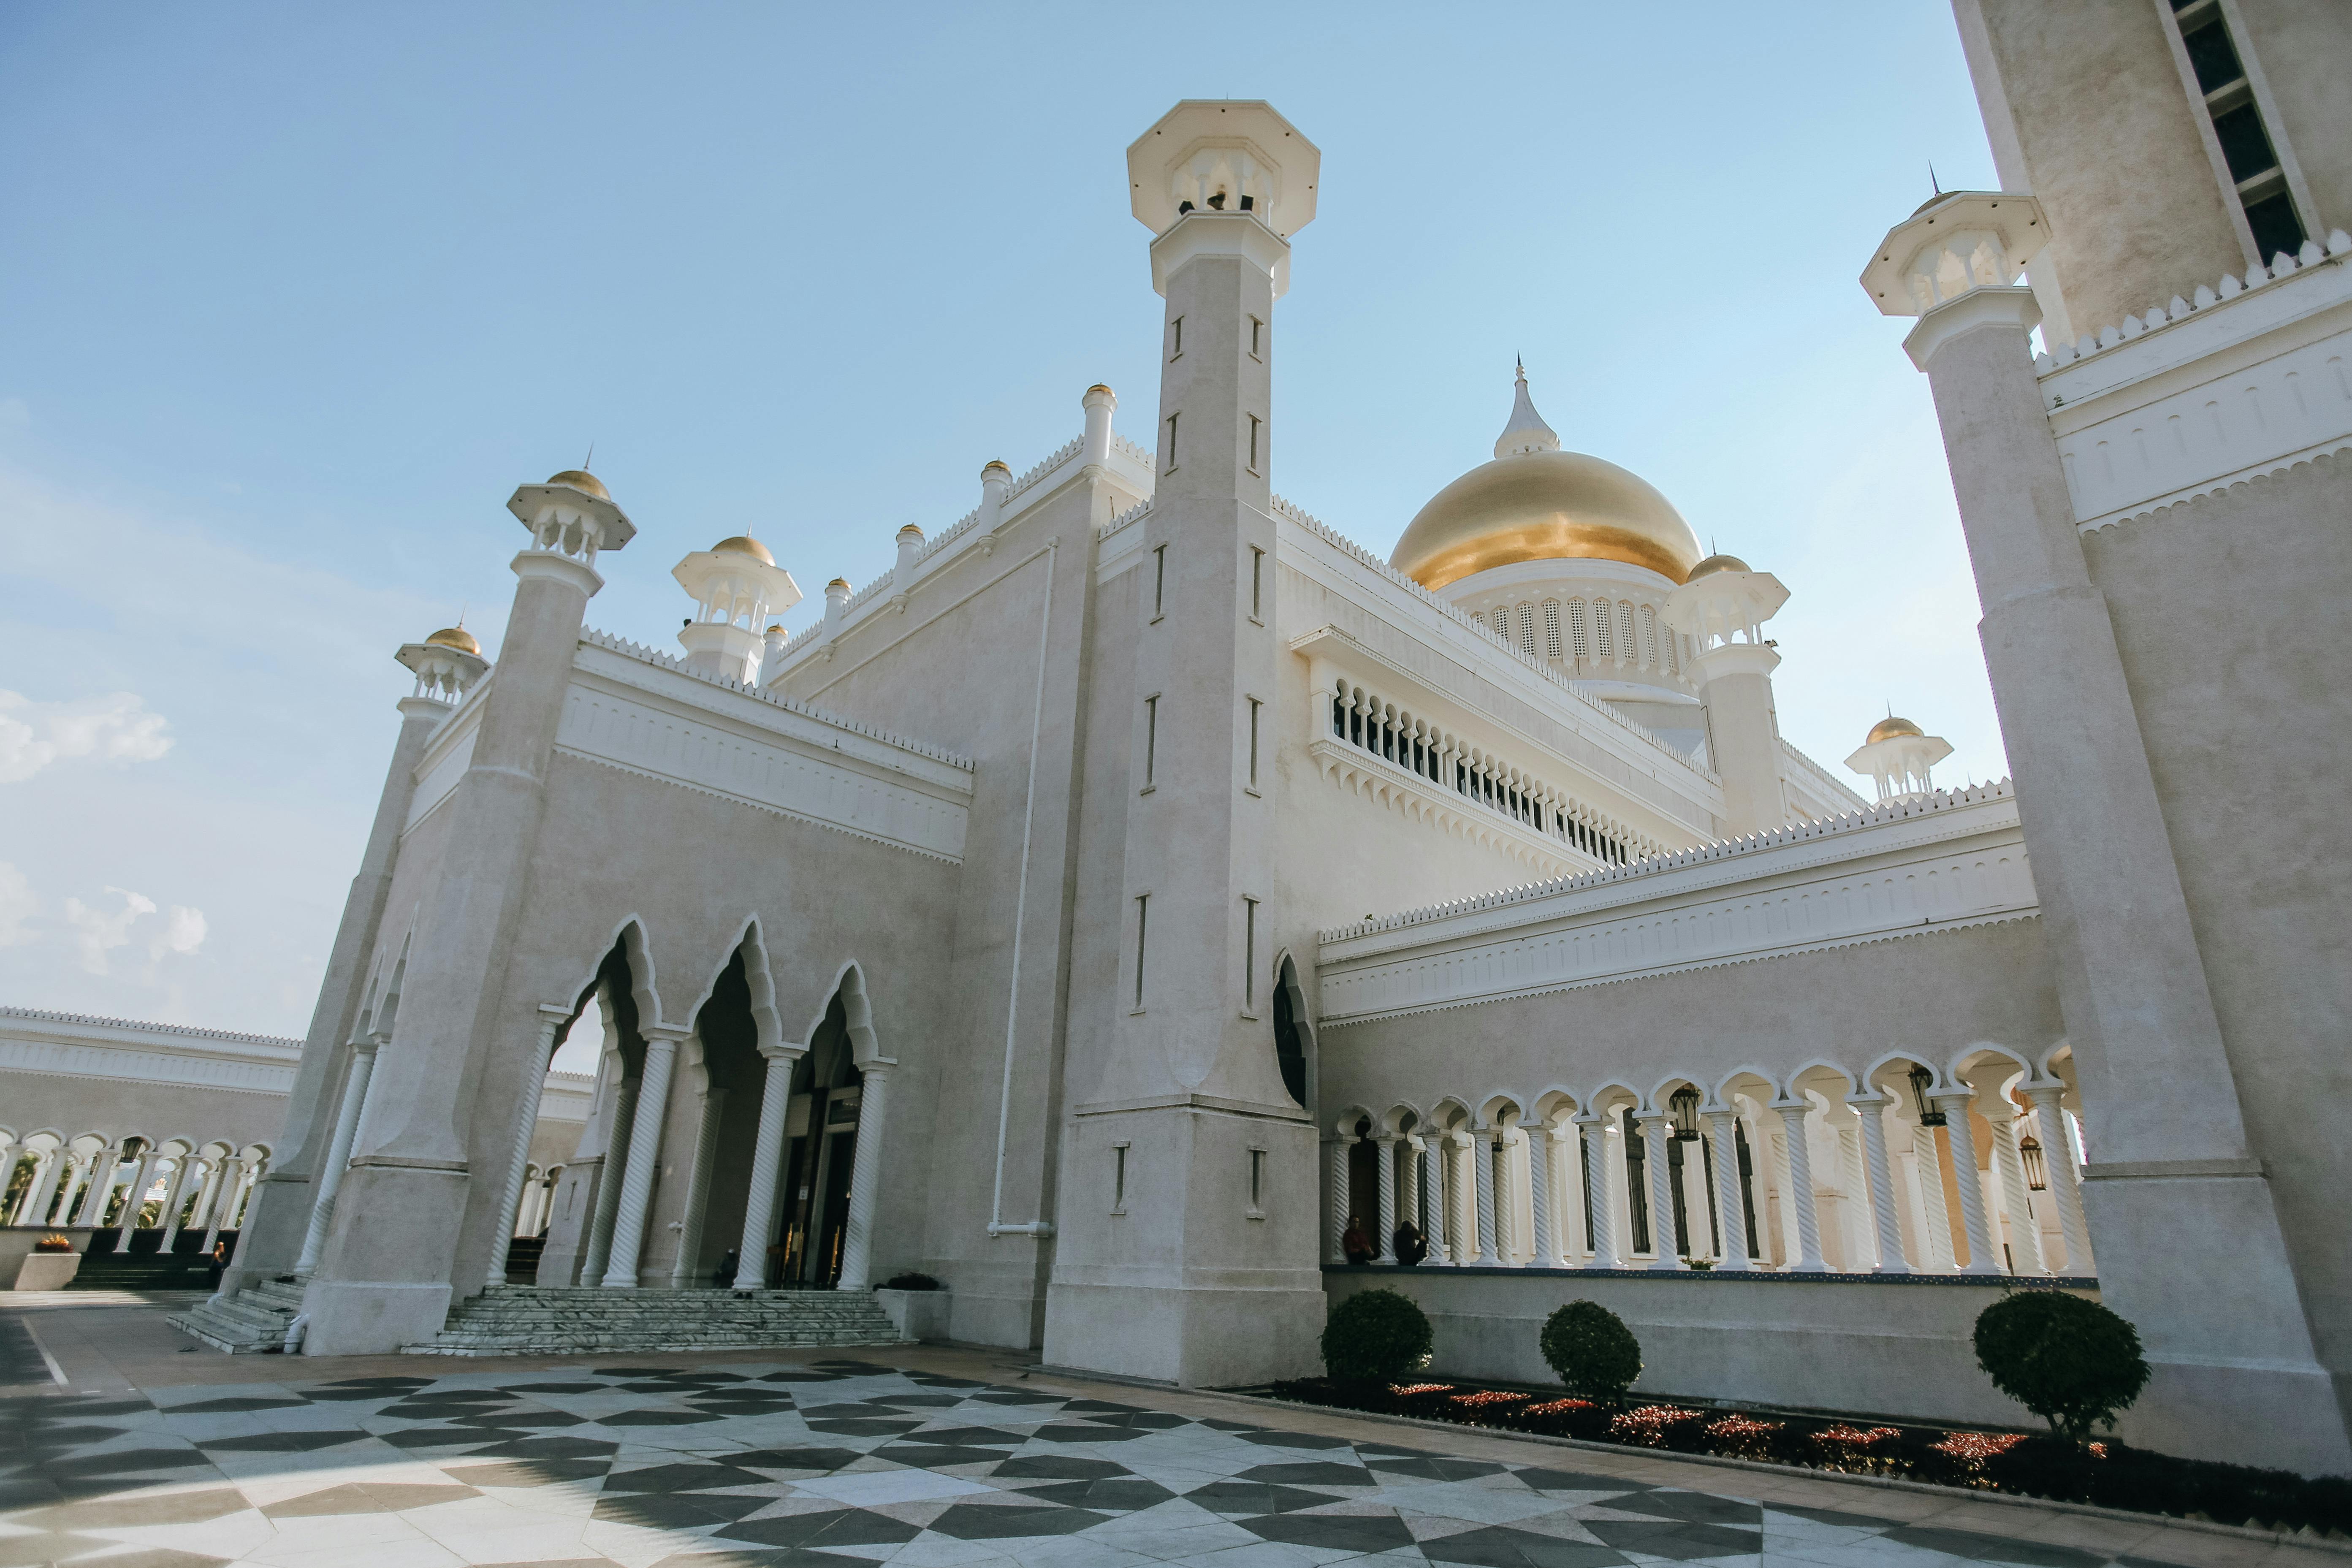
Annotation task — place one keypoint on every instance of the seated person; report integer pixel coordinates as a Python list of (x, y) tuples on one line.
[(1356, 1242), (1408, 1244)]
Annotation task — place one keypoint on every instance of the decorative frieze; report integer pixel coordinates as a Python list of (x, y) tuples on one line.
[(70, 1045)]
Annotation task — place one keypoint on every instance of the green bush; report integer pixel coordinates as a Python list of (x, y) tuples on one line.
[(1375, 1336), (912, 1279), (1595, 1354), (2068, 1360)]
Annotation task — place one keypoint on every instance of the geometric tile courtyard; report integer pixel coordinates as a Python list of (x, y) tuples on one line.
[(881, 1457)]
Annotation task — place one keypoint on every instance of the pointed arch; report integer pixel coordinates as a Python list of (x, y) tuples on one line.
[(856, 1016), (1294, 1056)]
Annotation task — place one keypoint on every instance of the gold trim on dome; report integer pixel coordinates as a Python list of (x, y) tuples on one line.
[(1544, 506), (744, 545), (581, 479)]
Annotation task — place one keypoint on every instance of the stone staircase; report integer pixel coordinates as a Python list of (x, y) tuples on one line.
[(251, 1322), (532, 1319)]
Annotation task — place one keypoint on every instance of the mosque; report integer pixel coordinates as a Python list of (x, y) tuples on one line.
[(1142, 882)]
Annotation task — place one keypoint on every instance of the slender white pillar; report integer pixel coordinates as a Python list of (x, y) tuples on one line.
[(105, 1170), (1540, 1148), (1439, 1220), (760, 1208), (339, 1153), (1960, 1145), (1593, 1182), (1383, 1244), (683, 1269), (865, 1179), (1801, 1184), (622, 1127), (1927, 1168), (208, 1198), (45, 1189), (1654, 1131), (1409, 1189), (2024, 1234), (1482, 1178), (552, 1018), (1872, 1109), (78, 1172), (1730, 1211), (1338, 1200), (167, 1218), (232, 1179), (644, 1159), (2058, 1157), (135, 1199)]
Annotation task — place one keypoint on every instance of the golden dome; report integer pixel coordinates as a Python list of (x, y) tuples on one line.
[(1889, 728), (1544, 506), (744, 545), (1717, 563), (456, 637), (581, 479)]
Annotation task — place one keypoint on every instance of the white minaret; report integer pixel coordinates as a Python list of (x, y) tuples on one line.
[(1200, 1281), (1899, 755), (1723, 606), (736, 585)]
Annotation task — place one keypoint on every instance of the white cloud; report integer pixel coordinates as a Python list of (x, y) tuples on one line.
[(17, 905), (97, 932), (117, 728), (182, 932)]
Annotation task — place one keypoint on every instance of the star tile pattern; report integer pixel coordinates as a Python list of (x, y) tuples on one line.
[(832, 1463)]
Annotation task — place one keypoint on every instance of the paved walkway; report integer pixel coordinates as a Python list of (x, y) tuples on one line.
[(149, 1457)]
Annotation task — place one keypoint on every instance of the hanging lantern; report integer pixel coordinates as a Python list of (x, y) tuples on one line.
[(1683, 1106), (2037, 1170), (1929, 1115)]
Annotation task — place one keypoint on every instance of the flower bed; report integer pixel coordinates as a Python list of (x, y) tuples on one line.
[(2109, 1474)]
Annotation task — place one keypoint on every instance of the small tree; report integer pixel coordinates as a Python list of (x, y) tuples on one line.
[(2070, 1361), (1595, 1354), (1374, 1336)]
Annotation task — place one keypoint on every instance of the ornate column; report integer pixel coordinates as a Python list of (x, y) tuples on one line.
[(1801, 1184), (339, 1152), (1482, 1177), (1385, 1250), (866, 1177), (167, 1218), (232, 1178), (1872, 1109), (682, 1269), (2058, 1155), (1731, 1213), (208, 1199), (136, 1199), (44, 1190), (1662, 1193), (79, 1173), (1540, 1139), (1408, 1190), (2025, 1235), (1338, 1199), (1960, 1145), (105, 1170), (552, 1018), (645, 1157), (767, 1153), (608, 1180), (1436, 1215), (1593, 1182)]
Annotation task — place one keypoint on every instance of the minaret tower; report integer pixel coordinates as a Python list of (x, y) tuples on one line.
[(1723, 606), (1203, 1267)]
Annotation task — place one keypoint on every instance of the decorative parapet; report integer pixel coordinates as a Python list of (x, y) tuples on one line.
[(79, 1045), (1364, 557), (2199, 395), (1820, 779), (1132, 514), (1653, 865), (183, 1031)]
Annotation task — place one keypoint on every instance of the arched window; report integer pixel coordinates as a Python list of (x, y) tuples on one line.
[(1552, 628), (1289, 1039)]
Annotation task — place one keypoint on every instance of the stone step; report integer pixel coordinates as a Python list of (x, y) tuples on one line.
[(515, 1319), (248, 1323)]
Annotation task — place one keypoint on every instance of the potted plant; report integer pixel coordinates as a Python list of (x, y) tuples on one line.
[(49, 1265), (918, 1304)]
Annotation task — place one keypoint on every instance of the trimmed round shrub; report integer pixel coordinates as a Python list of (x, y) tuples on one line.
[(1375, 1336), (2070, 1361), (1595, 1354)]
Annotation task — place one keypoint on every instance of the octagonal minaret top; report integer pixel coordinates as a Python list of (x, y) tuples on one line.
[(1223, 159)]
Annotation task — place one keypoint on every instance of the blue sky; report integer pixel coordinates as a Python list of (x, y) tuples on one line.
[(291, 298)]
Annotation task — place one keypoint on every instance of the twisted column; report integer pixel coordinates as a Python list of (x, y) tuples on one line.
[(1482, 1178), (1872, 1109), (683, 1268), (2058, 1155), (136, 1199), (105, 1170), (1437, 1213), (534, 1084), (44, 1190), (1731, 1213), (865, 1179), (644, 1159), (78, 1174), (1338, 1199), (1540, 1149), (767, 1153), (2025, 1235), (621, 1129), (1800, 1184), (339, 1155), (1408, 1190), (1662, 1194), (1593, 1182), (208, 1197), (1385, 1251), (1961, 1159), (232, 1177)]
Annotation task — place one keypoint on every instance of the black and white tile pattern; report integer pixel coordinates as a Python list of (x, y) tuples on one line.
[(830, 1463)]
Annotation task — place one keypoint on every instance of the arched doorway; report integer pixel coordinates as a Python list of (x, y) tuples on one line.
[(820, 1158)]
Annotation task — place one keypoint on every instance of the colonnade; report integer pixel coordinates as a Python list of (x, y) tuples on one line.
[(98, 1180), (1902, 1169)]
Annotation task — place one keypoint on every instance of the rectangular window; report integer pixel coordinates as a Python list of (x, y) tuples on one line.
[(1249, 953), (1254, 706), (1143, 913), (1151, 739), (1258, 337), (1176, 338), (1258, 579), (1253, 453), (1257, 1180), (1118, 1178), (1159, 580), (1172, 443)]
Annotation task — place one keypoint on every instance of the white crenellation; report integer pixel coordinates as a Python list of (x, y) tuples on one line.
[(2060, 355)]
